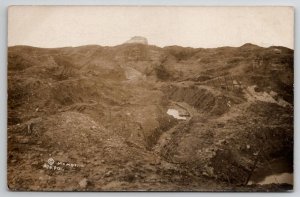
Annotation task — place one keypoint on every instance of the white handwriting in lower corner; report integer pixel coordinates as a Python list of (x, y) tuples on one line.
[(52, 167), (59, 166)]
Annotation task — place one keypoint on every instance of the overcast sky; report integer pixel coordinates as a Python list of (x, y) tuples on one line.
[(206, 27)]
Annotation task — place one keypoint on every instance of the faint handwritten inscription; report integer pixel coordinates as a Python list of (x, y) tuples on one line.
[(59, 165)]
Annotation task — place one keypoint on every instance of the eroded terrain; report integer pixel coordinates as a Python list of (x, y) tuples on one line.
[(96, 118)]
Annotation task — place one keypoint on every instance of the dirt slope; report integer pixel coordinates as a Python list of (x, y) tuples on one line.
[(104, 109)]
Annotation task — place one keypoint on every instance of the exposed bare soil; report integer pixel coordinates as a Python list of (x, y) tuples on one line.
[(104, 110)]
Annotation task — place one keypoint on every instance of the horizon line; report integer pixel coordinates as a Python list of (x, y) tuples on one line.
[(24, 45)]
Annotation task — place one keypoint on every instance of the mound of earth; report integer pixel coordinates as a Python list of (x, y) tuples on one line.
[(95, 118), (137, 39)]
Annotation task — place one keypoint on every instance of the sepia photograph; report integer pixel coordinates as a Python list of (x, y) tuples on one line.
[(150, 98)]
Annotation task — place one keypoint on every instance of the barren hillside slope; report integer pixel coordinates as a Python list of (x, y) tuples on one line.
[(105, 110)]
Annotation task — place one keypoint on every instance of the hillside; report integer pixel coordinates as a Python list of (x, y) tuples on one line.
[(105, 109)]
